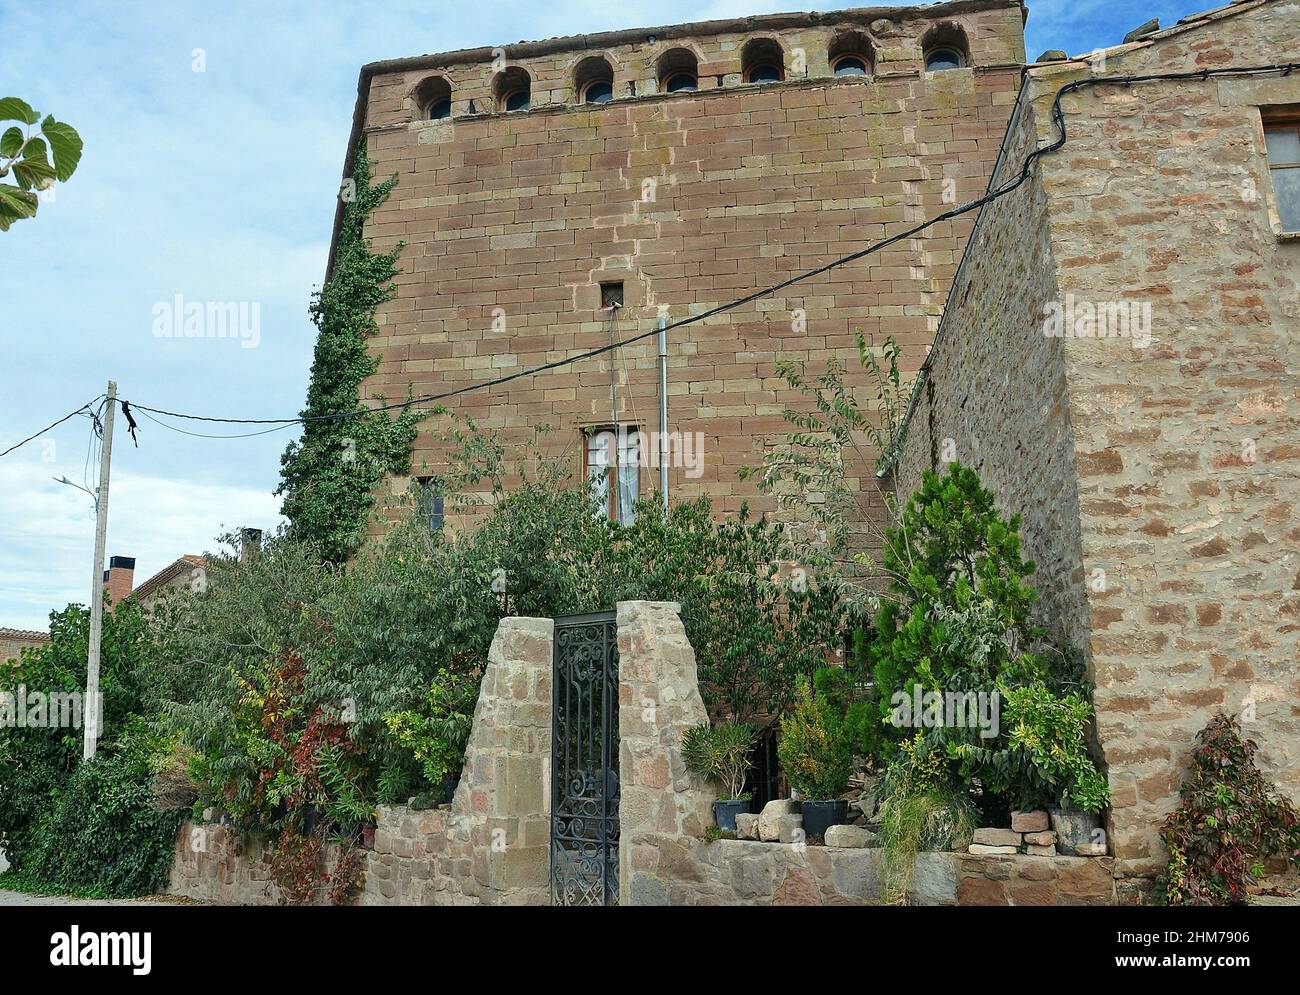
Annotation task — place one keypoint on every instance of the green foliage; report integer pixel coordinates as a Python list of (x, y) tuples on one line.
[(959, 621), (104, 811), (961, 613), (814, 749), (104, 814), (720, 753), (755, 632), (36, 156), (436, 736), (816, 473), (1230, 821), (1052, 731), (329, 475), (920, 809)]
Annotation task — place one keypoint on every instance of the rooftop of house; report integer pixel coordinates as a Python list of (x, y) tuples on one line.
[(1143, 36), (168, 573), (24, 635)]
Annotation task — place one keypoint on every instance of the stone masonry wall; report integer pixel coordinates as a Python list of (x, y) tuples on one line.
[(994, 394), (1188, 450), (513, 220), (745, 872)]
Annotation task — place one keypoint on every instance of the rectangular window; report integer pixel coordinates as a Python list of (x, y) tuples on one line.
[(615, 479), (1282, 137), (429, 502), (611, 295)]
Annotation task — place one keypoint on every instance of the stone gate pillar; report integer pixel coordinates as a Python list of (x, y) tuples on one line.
[(658, 700)]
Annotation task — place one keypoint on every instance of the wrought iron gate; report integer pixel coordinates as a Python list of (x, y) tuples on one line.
[(584, 761)]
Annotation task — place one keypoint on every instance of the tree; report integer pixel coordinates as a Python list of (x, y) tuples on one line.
[(36, 156)]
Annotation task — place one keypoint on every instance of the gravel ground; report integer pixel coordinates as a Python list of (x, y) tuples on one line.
[(21, 898)]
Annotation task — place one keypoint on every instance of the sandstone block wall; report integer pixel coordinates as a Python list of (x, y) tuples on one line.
[(513, 220)]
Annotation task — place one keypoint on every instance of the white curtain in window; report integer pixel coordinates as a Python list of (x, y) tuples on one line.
[(629, 480)]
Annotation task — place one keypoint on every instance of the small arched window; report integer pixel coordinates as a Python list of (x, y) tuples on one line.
[(944, 47), (433, 97), (678, 71), (850, 54), (513, 89), (763, 61), (593, 80)]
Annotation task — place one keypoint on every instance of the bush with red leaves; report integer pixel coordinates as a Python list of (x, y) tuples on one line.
[(1231, 821)]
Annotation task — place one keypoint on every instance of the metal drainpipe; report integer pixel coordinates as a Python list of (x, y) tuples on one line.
[(663, 410)]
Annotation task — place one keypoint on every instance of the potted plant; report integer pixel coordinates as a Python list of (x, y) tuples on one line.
[(817, 758), (721, 753)]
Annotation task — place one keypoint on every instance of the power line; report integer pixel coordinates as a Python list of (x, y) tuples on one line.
[(1058, 119), (205, 435), (55, 424)]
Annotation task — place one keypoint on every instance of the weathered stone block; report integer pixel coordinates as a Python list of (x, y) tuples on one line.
[(769, 820), (790, 828), (986, 851), (747, 826), (1041, 839), (1029, 822), (1040, 851), (996, 837), (853, 837)]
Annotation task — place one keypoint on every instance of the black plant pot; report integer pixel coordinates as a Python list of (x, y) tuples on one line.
[(725, 812), (820, 816)]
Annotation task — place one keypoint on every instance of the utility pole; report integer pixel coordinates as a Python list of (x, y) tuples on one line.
[(90, 707)]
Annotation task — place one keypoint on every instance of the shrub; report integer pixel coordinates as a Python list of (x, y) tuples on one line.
[(102, 835), (720, 753), (53, 803), (1231, 820), (919, 810), (814, 752)]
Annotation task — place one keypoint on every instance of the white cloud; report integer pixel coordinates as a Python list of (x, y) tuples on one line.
[(48, 540)]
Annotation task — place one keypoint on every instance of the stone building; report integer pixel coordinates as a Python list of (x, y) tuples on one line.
[(673, 170), (1156, 460)]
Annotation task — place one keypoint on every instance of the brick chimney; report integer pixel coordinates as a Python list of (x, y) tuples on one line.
[(250, 543), (119, 578)]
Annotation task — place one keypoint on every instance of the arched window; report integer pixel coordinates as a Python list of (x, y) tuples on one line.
[(593, 80), (512, 89), (433, 98), (763, 61), (945, 47), (678, 71), (850, 54)]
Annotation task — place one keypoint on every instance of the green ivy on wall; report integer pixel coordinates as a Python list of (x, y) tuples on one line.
[(329, 475)]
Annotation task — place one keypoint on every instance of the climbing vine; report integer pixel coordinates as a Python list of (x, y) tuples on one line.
[(328, 476)]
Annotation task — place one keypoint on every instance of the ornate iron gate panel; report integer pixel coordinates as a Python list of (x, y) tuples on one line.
[(584, 761)]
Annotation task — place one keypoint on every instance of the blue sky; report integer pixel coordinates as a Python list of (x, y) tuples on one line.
[(219, 185)]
